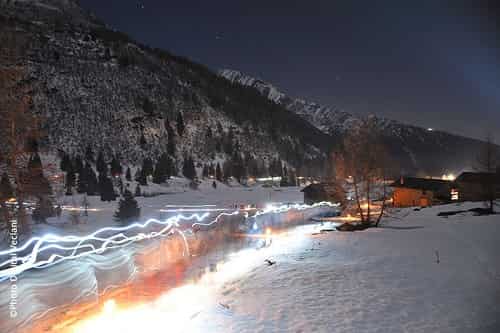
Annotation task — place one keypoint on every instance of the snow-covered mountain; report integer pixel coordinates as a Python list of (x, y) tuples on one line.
[(414, 149), (328, 119), (93, 86)]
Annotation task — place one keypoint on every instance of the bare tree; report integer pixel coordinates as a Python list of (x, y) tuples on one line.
[(487, 162), (19, 128), (365, 163)]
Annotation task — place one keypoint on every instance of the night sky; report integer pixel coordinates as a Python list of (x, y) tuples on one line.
[(427, 63)]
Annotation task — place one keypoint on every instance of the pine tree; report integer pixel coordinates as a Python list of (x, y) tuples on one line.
[(171, 168), (32, 179), (128, 175), (142, 141), (70, 181), (148, 106), (35, 164), (159, 174), (163, 169), (6, 190), (180, 124), (128, 208), (85, 205), (120, 185), (138, 190), (220, 129), (115, 167), (211, 170), (147, 166), (284, 178), (89, 154), (218, 173), (101, 166), (204, 173), (43, 210), (227, 169), (171, 138), (82, 183), (292, 178), (92, 183), (65, 164), (188, 169), (141, 178), (78, 164), (106, 188), (237, 167), (227, 142)]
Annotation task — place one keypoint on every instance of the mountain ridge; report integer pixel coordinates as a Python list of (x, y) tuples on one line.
[(419, 150)]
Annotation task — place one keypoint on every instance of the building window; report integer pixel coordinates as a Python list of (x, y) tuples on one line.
[(454, 194)]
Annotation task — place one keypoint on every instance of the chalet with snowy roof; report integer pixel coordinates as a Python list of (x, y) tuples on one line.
[(318, 192), (423, 192), (475, 186)]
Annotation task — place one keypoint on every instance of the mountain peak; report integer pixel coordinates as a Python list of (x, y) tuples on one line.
[(265, 88), (328, 119)]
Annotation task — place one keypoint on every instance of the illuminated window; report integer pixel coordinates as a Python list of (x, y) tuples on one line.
[(454, 194)]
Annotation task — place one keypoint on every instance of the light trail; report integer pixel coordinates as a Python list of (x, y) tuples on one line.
[(193, 210), (185, 308), (18, 263), (117, 240)]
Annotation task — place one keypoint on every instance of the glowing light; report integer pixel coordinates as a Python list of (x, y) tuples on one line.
[(269, 207), (192, 210), (109, 307), (267, 179), (430, 129), (449, 176)]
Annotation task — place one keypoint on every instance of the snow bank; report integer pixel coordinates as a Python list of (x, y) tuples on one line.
[(387, 279)]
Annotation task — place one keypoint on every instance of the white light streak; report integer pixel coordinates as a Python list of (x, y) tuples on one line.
[(85, 245)]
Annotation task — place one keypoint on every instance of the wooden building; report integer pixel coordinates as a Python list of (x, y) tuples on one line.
[(423, 192), (475, 186), (319, 192)]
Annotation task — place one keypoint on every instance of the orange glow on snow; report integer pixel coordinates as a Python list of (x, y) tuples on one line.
[(177, 309)]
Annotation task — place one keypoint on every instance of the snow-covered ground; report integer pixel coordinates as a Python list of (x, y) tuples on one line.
[(417, 273)]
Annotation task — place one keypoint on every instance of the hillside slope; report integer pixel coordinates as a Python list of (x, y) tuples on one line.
[(93, 86)]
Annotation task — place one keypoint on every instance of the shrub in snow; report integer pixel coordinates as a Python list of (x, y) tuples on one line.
[(43, 210), (6, 190), (138, 190), (128, 208)]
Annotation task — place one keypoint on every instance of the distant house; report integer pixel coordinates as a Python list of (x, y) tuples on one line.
[(474, 186), (319, 192), (423, 192)]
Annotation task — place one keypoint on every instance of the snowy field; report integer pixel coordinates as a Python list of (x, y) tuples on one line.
[(418, 273)]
